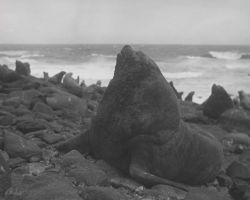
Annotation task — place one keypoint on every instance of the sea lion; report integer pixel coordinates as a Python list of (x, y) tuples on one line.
[(46, 76), (71, 85), (138, 129), (244, 100), (57, 78), (178, 94), (189, 97), (218, 102)]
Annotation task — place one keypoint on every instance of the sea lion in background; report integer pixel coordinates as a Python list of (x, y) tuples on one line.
[(244, 100), (218, 102), (178, 94), (57, 78), (138, 129), (46, 76), (71, 85), (189, 97)]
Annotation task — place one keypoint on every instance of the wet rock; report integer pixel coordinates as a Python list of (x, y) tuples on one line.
[(104, 193), (218, 102), (29, 125), (240, 190), (22, 68), (170, 192), (5, 181), (238, 138), (17, 146), (16, 162)]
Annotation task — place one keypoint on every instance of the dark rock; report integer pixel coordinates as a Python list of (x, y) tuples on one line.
[(6, 118), (17, 146), (238, 138), (43, 108), (16, 162), (240, 190), (49, 186), (103, 193), (57, 78), (170, 192), (239, 170), (244, 100), (5, 181), (29, 125), (22, 68), (7, 75), (189, 97), (224, 180), (84, 171), (218, 102)]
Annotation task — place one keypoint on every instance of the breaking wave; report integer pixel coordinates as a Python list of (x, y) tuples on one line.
[(227, 55)]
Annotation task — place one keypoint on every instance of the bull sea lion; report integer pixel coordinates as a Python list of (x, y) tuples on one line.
[(138, 129), (57, 78), (189, 97)]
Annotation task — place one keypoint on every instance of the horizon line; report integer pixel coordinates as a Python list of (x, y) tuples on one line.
[(173, 44)]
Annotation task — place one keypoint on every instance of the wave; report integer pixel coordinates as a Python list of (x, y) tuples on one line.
[(102, 55), (181, 75), (227, 55), (12, 53), (35, 55), (20, 54)]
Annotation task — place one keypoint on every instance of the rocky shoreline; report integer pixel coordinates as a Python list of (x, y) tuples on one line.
[(44, 124)]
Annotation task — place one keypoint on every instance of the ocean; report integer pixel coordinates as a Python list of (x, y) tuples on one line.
[(190, 67)]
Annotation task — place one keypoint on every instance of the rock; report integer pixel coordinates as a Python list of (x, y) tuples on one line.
[(43, 108), (239, 170), (7, 75), (103, 193), (138, 129), (240, 190), (218, 102), (236, 119), (27, 125), (46, 76), (6, 118), (57, 78), (49, 186), (244, 100), (238, 138), (5, 181), (170, 192), (71, 85), (17, 146), (68, 103), (189, 97), (84, 171), (22, 68), (178, 94)]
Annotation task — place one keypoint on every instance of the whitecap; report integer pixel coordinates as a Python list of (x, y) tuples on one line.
[(181, 75), (227, 55)]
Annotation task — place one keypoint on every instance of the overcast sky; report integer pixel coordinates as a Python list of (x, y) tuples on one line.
[(125, 21)]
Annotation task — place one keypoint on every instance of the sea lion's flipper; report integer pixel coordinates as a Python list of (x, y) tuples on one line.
[(79, 143), (139, 170)]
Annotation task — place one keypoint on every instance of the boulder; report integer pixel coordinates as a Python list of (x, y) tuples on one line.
[(27, 125), (218, 102), (17, 146), (22, 68), (43, 108), (239, 170), (5, 181), (244, 100), (6, 118), (7, 75)]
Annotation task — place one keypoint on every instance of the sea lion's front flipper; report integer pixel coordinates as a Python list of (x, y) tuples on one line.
[(79, 143), (139, 170)]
